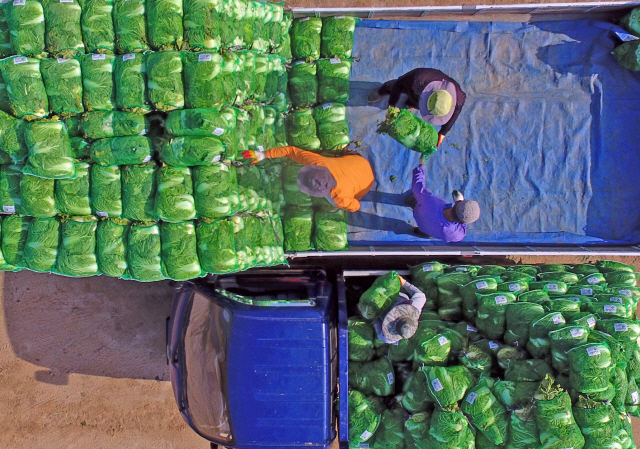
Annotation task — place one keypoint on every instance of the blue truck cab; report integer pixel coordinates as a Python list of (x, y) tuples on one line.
[(253, 358)]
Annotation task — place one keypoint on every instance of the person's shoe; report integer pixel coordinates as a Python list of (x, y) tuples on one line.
[(421, 234), (457, 196), (374, 97)]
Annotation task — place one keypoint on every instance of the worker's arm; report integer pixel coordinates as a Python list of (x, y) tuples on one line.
[(296, 154), (418, 298), (418, 186), (398, 89), (350, 204)]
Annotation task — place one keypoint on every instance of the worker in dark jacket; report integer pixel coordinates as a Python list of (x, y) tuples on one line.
[(438, 96)]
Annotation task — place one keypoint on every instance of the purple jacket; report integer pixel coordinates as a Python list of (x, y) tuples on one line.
[(429, 214)]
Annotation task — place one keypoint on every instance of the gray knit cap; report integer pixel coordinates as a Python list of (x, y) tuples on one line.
[(467, 211)]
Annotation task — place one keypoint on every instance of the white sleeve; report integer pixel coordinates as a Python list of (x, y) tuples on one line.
[(418, 298)]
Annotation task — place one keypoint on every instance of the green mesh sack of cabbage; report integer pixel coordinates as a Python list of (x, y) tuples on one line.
[(63, 83), (102, 125), (63, 35), (628, 55), (558, 428), (337, 37), (448, 385), (216, 246), (98, 92), (372, 378), (411, 131), (138, 191), (252, 188), (382, 294), (5, 35), (164, 24), (130, 75), (303, 84), (202, 122), (41, 247), (523, 431), (562, 340), (424, 277), (449, 296), (333, 129), (246, 240), (333, 80), (111, 247), (49, 150), (598, 422), (518, 316), (10, 177), (15, 230), (144, 251), (180, 251), (127, 150), (96, 23), (298, 225), (203, 80), (390, 432), (174, 200), (164, 80), (192, 151), (12, 139), (301, 130), (305, 38), (469, 299), (72, 196), (486, 413), (130, 26), (292, 194), (106, 191), (27, 25), (330, 230), (37, 196), (363, 420), (215, 191), (25, 88), (361, 335), (449, 429), (539, 344), (76, 253), (201, 21), (589, 367)]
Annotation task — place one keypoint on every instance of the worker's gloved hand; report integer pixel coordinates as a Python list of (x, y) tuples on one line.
[(402, 281), (440, 139), (254, 156)]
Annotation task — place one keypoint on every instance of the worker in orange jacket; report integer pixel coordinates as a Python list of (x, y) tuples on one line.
[(342, 180)]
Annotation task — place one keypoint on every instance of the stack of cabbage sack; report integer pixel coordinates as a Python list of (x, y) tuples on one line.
[(519, 357), (319, 82), (628, 53)]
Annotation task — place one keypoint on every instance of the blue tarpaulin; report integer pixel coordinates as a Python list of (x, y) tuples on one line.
[(546, 141)]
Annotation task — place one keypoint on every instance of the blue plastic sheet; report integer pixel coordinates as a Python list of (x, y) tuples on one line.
[(546, 141)]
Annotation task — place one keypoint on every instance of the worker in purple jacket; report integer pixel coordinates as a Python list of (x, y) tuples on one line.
[(438, 96), (435, 217)]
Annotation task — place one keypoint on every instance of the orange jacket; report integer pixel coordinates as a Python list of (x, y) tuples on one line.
[(352, 173)]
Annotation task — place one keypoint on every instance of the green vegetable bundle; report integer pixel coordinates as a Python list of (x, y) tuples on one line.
[(216, 246), (37, 196), (390, 432), (448, 385), (518, 317), (164, 72), (216, 191), (231, 78), (539, 344), (72, 196), (377, 299), (298, 224), (487, 414), (80, 148), (25, 88), (337, 36), (330, 231), (97, 26), (5, 35), (49, 150), (424, 277), (243, 16), (26, 20), (248, 61), (361, 335), (527, 371), (128, 150), (130, 26), (63, 35), (76, 254), (431, 348), (372, 378), (10, 177), (333, 80), (245, 236), (144, 252), (202, 20), (174, 196), (130, 75), (12, 138), (598, 422), (192, 151), (333, 129), (41, 248), (98, 93), (301, 130), (411, 131), (363, 421), (198, 122), (469, 292), (106, 191), (203, 80), (305, 38), (63, 82), (628, 55), (562, 340), (15, 230), (523, 432), (111, 247), (101, 125), (164, 24), (558, 429), (179, 251), (303, 84), (449, 296), (589, 366), (138, 192)]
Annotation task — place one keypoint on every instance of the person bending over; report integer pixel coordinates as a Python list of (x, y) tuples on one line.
[(401, 321)]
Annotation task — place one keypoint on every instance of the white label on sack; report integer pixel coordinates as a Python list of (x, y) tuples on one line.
[(437, 386), (19, 2), (146, 159), (143, 132), (461, 268), (557, 319), (364, 445), (501, 299), (575, 333), (625, 292), (129, 56), (634, 396), (66, 1), (616, 299), (493, 345), (390, 378), (610, 308), (593, 279), (61, 60), (482, 284), (98, 57), (260, 148), (443, 341), (102, 214), (339, 17), (216, 159), (625, 37), (218, 132), (20, 60), (552, 287), (9, 209), (204, 57), (593, 350), (514, 287), (471, 329), (471, 398), (335, 60), (365, 435), (591, 321), (299, 62), (304, 19), (324, 108), (573, 298), (620, 327), (586, 291)]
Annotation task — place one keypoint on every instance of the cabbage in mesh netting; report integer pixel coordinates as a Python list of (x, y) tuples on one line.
[(174, 196), (589, 367), (76, 254), (333, 129), (26, 19), (72, 195), (101, 125), (15, 230), (216, 246), (303, 84), (63, 36), (98, 93), (41, 247), (164, 24), (144, 252), (411, 131), (201, 20), (377, 299), (330, 232), (130, 26), (179, 251), (97, 26), (372, 378), (203, 80), (337, 36), (216, 191), (130, 75), (25, 88), (127, 150), (298, 224), (138, 191), (301, 130), (164, 72), (333, 80), (106, 191), (305, 38), (63, 82), (363, 421), (37, 196), (448, 385), (487, 414)]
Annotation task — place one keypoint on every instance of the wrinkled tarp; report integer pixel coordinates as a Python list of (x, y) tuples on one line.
[(544, 142)]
